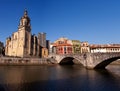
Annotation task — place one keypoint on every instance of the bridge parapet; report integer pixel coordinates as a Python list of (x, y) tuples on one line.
[(104, 56)]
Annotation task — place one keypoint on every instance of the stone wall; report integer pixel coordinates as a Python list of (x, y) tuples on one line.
[(25, 61)]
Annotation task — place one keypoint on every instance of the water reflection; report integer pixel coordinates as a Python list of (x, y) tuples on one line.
[(58, 78)]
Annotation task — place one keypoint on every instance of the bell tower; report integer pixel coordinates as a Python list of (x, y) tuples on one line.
[(25, 22), (24, 33)]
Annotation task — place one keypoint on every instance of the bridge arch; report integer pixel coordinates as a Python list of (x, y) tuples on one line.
[(106, 62), (69, 61)]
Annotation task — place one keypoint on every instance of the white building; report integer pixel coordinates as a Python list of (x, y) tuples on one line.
[(105, 48)]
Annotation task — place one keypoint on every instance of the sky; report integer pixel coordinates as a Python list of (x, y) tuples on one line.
[(95, 21)]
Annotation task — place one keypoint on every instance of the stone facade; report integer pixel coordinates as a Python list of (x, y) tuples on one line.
[(44, 52), (19, 43), (85, 47), (52, 48), (22, 43)]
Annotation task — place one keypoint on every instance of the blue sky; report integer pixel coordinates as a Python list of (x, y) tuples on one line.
[(95, 21)]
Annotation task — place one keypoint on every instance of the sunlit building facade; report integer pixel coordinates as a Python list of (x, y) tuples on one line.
[(85, 48), (106, 48), (76, 46), (23, 44), (62, 46)]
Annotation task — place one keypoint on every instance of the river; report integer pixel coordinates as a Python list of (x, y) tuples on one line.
[(59, 78)]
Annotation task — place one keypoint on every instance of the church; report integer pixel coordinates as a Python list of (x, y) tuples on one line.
[(23, 44)]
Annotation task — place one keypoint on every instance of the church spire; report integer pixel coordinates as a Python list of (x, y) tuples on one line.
[(25, 12), (25, 21)]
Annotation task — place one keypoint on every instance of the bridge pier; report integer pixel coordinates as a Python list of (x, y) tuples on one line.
[(88, 61)]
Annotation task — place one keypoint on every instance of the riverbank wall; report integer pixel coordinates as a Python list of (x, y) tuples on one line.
[(26, 61)]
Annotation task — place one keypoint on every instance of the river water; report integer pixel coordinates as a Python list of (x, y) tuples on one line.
[(59, 78)]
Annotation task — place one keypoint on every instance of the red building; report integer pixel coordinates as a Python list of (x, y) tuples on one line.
[(63, 46)]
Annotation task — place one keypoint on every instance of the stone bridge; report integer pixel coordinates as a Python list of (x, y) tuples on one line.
[(88, 60)]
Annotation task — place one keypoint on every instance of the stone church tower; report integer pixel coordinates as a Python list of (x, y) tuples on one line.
[(23, 44), (24, 32), (19, 43)]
